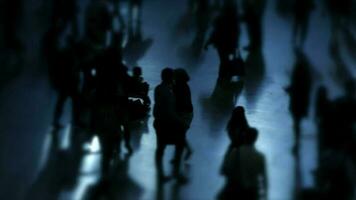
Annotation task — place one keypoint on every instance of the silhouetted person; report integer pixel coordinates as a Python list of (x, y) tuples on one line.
[(302, 9), (253, 16), (139, 86), (169, 128), (245, 171), (98, 21), (236, 130), (113, 58), (110, 114), (299, 92), (137, 45), (118, 15), (184, 103), (202, 20), (135, 15), (64, 72), (140, 102), (237, 127), (225, 35)]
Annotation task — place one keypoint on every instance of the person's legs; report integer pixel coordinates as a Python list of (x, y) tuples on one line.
[(107, 150), (161, 145), (159, 159), (224, 61), (127, 138), (189, 150), (177, 158), (297, 123), (59, 109)]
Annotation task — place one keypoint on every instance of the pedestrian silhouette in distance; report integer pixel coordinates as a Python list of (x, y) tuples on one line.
[(245, 171), (299, 92), (225, 35), (253, 17), (302, 10), (168, 125)]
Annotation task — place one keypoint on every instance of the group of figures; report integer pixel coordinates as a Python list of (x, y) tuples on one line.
[(335, 131), (106, 99), (224, 19), (106, 96)]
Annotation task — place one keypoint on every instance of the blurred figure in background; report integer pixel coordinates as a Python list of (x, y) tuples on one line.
[(253, 16), (302, 11), (140, 103), (245, 171), (299, 92), (135, 15), (110, 114), (98, 21), (202, 20), (225, 35), (237, 127), (137, 45)]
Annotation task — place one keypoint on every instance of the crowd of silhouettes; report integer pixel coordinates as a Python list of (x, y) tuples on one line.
[(98, 72), (90, 71)]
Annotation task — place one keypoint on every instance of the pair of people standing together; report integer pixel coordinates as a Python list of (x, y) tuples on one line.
[(173, 112)]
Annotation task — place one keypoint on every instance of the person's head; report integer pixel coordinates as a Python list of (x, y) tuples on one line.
[(181, 75), (238, 113), (167, 75), (238, 119), (137, 71), (251, 136)]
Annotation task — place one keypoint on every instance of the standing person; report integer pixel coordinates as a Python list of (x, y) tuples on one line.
[(112, 60), (245, 171), (299, 92), (253, 16), (168, 126), (109, 107), (303, 9), (184, 103), (135, 15), (98, 21), (225, 35), (237, 127)]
